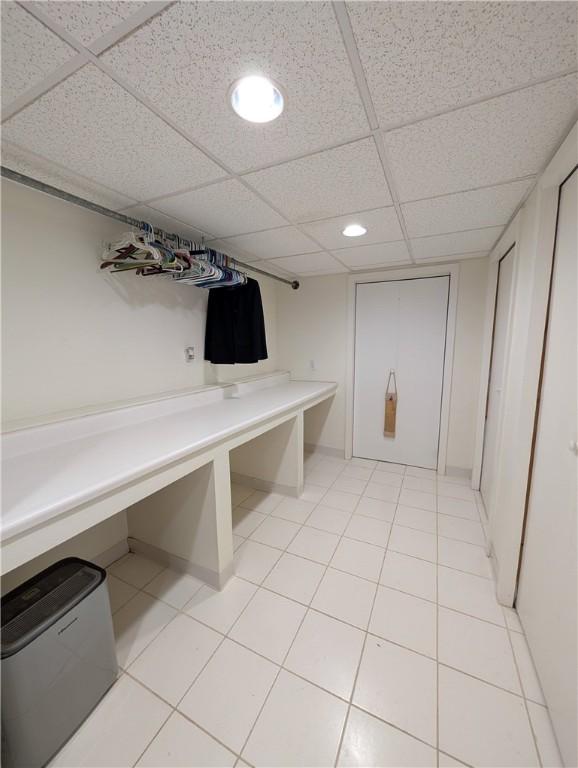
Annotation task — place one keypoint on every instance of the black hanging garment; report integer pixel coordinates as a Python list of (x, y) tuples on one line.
[(235, 331)]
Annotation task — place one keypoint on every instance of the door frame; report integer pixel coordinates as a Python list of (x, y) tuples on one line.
[(442, 270)]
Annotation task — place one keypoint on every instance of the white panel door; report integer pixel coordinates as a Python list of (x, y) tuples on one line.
[(547, 592), (497, 372), (400, 325)]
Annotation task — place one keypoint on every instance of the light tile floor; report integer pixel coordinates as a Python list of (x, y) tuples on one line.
[(361, 629)]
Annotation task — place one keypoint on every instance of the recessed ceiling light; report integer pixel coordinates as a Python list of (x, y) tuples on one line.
[(354, 230), (256, 99)]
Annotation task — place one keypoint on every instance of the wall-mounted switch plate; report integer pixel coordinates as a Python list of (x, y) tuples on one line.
[(189, 354)]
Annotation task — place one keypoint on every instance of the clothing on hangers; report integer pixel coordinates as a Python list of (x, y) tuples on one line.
[(235, 329)]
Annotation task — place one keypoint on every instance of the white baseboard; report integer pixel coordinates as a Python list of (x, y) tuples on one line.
[(327, 450), (112, 554), (264, 485), (179, 564), (459, 472)]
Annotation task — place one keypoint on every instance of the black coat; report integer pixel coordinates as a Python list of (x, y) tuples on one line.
[(235, 331)]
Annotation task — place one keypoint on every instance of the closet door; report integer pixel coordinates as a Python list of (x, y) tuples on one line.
[(400, 325), (497, 372), (547, 591)]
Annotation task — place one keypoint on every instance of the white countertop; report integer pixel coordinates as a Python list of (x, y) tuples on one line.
[(42, 483)]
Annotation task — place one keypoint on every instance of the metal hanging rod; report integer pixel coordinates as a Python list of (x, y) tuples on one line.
[(28, 181)]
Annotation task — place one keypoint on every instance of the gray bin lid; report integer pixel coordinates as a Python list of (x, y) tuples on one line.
[(36, 605)]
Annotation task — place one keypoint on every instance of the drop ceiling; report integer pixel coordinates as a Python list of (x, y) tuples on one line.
[(427, 122)]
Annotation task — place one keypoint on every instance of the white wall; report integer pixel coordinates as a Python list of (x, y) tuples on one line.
[(312, 326), (77, 338)]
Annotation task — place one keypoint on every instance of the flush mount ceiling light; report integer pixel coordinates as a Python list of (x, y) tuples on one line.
[(354, 230), (257, 99)]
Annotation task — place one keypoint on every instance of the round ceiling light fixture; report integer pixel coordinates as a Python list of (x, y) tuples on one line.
[(257, 99), (354, 230)]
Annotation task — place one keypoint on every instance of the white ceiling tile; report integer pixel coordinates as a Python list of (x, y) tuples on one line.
[(226, 208), (18, 159), (477, 208), (330, 183), (203, 47), (382, 226), (505, 138), (373, 255), (91, 125), (29, 52), (87, 21), (310, 263), (424, 57), (455, 257), (455, 243), (274, 243), (160, 220)]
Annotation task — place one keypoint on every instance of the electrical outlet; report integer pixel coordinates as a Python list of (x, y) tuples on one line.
[(189, 354)]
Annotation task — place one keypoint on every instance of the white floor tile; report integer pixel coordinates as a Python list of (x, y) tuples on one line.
[(464, 557), (445, 761), (137, 623), (421, 472), (418, 499), (313, 493), (460, 529), (405, 620), (220, 610), (478, 648), (368, 529), (329, 519), (469, 594), (117, 731), (399, 686), (411, 542), (458, 507), (359, 473), (545, 738), (321, 478), (239, 493), (530, 681), (262, 501), (294, 510), (358, 558), (346, 597), (313, 544), (300, 725), (367, 463), (483, 725), (420, 519), (268, 625), (349, 485), (380, 477), (253, 561), (237, 541), (175, 657), (409, 574), (371, 742), (119, 592), (454, 491), (388, 466), (380, 510), (173, 588), (455, 480), (340, 500), (227, 696), (245, 521), (326, 652), (382, 492), (423, 484), (135, 569), (275, 532), (180, 744), (295, 578)]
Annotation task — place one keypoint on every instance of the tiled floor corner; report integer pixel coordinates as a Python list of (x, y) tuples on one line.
[(361, 629)]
